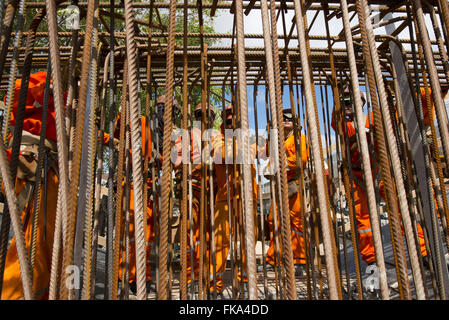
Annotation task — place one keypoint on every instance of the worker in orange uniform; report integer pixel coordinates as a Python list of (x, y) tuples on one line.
[(428, 119), (160, 105), (149, 233), (12, 283), (297, 236), (195, 178), (224, 181), (364, 233)]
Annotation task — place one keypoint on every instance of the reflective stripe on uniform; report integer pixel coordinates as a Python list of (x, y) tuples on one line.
[(37, 104), (298, 233), (217, 274), (40, 292), (364, 230)]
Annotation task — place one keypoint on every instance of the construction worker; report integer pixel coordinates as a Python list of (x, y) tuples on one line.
[(223, 181), (297, 237), (149, 233), (429, 118), (160, 105), (364, 233), (195, 178), (25, 180)]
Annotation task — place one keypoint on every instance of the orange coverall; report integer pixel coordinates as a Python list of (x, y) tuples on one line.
[(294, 204), (149, 223), (221, 231), (364, 233), (12, 283), (196, 192)]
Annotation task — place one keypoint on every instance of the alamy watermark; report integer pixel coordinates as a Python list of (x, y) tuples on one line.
[(372, 281), (74, 277)]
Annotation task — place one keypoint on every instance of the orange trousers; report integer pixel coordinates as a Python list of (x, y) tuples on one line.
[(222, 243), (364, 234), (221, 237), (299, 256), (149, 238), (12, 282), (195, 238)]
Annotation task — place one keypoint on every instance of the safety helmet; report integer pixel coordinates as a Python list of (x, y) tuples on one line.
[(160, 107), (287, 115), (198, 111)]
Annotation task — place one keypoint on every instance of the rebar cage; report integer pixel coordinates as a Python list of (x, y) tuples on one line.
[(355, 208)]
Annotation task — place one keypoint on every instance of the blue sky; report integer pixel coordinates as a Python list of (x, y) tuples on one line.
[(261, 112)]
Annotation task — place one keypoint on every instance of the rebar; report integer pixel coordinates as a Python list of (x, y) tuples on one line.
[(163, 241), (366, 165), (392, 147), (188, 61), (64, 204), (316, 151)]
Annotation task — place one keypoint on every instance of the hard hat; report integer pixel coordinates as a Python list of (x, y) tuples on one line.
[(160, 109), (161, 99), (287, 114), (199, 110)]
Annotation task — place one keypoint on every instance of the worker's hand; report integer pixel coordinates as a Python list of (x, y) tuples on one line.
[(116, 143)]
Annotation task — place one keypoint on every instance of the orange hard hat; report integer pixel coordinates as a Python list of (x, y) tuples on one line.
[(161, 99)]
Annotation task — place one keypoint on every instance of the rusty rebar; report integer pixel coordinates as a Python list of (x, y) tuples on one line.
[(165, 183)]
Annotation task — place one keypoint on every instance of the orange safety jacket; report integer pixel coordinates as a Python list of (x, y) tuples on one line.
[(221, 177), (144, 134), (32, 122), (354, 155), (290, 150), (33, 107), (195, 155)]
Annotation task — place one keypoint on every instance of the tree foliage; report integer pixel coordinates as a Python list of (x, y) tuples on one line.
[(160, 20)]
